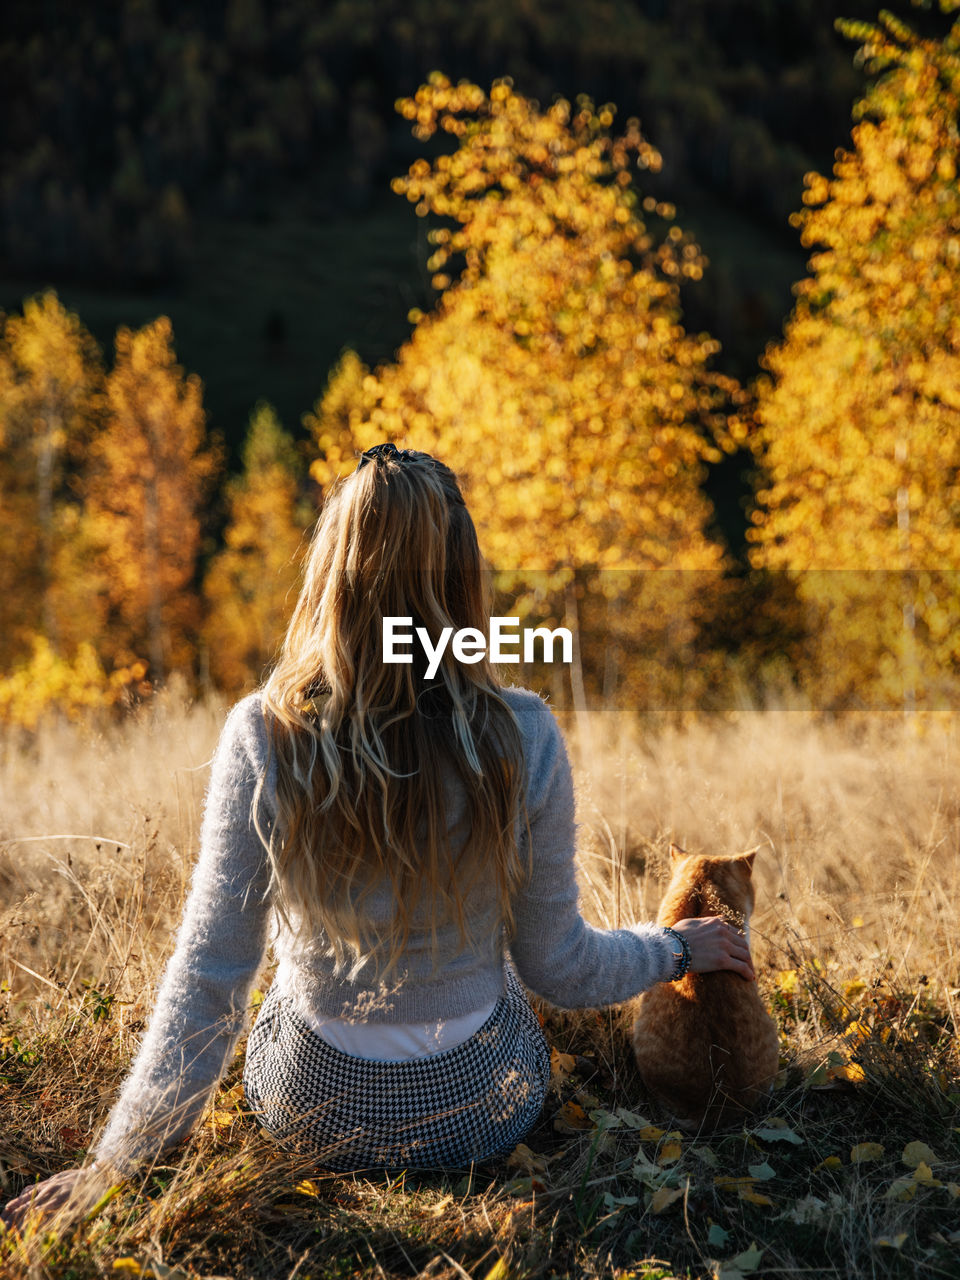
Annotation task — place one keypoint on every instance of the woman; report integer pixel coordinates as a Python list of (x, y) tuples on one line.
[(413, 840)]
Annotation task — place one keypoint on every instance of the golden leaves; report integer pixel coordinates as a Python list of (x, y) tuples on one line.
[(866, 1152), (556, 359), (918, 1153), (664, 1197), (150, 469), (571, 1118), (856, 435), (251, 582), (152, 1269)]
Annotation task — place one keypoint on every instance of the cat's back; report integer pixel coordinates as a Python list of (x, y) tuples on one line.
[(706, 1045)]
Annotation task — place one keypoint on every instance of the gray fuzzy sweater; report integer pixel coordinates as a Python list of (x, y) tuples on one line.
[(228, 923)]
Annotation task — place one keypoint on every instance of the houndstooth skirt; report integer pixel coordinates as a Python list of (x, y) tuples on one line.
[(472, 1102)]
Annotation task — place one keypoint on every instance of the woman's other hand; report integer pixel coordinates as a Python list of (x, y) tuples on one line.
[(43, 1197), (714, 944)]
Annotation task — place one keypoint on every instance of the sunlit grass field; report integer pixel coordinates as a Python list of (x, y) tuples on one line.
[(857, 827)]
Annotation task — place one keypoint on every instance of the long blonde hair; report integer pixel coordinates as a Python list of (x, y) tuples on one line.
[(363, 746)]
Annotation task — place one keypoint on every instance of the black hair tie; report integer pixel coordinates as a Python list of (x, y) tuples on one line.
[(386, 452)]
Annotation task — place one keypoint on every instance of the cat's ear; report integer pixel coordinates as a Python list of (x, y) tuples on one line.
[(746, 859), (676, 853)]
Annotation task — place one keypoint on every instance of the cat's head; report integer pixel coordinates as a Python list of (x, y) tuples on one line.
[(713, 886)]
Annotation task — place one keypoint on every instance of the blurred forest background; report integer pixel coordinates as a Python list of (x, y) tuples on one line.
[(732, 484)]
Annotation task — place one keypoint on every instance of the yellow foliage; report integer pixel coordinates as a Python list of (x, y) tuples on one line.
[(554, 375), (866, 1152), (49, 685), (860, 419), (50, 391), (250, 585), (150, 469)]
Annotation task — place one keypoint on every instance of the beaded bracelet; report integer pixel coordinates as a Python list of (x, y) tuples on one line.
[(682, 956)]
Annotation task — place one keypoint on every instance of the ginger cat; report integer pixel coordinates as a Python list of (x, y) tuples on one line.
[(706, 1046)]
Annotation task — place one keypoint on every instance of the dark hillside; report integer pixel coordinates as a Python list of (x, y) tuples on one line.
[(228, 163)]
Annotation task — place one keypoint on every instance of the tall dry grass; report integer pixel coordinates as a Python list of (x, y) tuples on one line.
[(858, 871), (98, 831), (856, 824)]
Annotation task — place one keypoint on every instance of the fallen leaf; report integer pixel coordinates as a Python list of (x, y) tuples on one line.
[(851, 1071), (729, 1182), (561, 1066), (499, 1271), (307, 1188), (522, 1157), (439, 1209), (917, 1153), (831, 1162), (812, 1211), (787, 980), (222, 1121), (856, 1033), (664, 1197), (901, 1189), (564, 1062), (717, 1235), (923, 1176), (631, 1120), (866, 1152), (670, 1153), (754, 1197), (820, 1078), (650, 1133), (707, 1155), (619, 1202), (149, 1270), (747, 1261), (891, 1242), (605, 1119), (778, 1132), (571, 1118), (523, 1186), (762, 1172)]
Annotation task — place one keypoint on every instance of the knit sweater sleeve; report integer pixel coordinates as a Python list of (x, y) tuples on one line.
[(205, 990), (557, 953)]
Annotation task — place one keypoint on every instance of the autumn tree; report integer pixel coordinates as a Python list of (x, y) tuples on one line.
[(50, 388), (860, 436), (150, 470), (250, 584), (554, 375)]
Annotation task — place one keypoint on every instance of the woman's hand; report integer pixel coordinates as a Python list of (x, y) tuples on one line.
[(715, 944), (43, 1197)]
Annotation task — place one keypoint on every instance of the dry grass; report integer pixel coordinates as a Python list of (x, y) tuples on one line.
[(858, 872)]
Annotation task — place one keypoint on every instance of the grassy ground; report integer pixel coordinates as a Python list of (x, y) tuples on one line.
[(858, 954)]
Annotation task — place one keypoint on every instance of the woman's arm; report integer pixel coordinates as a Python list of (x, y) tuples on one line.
[(205, 990), (557, 954), (204, 995)]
